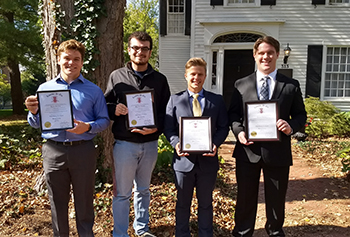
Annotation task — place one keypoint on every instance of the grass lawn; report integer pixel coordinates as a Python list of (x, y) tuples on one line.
[(6, 117)]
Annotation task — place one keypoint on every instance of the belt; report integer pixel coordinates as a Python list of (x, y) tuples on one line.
[(72, 143)]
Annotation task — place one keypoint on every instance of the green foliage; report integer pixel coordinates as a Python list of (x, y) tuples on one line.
[(18, 143), (5, 92), (83, 28), (345, 156), (340, 124), (31, 82), (324, 119), (20, 38), (142, 15), (165, 152)]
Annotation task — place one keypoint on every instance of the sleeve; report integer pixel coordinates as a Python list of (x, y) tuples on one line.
[(298, 112), (161, 111), (100, 113), (171, 125), (111, 98), (221, 124), (33, 120), (236, 113)]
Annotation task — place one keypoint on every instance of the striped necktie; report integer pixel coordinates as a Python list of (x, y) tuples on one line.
[(264, 90)]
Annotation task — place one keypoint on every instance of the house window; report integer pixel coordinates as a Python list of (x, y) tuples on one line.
[(241, 1), (338, 1), (337, 76), (214, 70), (237, 38), (176, 17)]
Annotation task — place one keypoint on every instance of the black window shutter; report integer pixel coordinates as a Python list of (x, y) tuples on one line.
[(268, 2), (216, 2), (188, 17), (163, 17), (318, 2), (313, 70)]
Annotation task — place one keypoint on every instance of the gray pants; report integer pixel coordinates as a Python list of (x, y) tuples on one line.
[(63, 166)]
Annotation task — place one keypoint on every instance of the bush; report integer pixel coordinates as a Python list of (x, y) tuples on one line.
[(17, 143), (324, 119), (165, 152), (345, 156), (340, 124)]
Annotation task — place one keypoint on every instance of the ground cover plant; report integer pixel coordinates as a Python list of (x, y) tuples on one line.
[(26, 212)]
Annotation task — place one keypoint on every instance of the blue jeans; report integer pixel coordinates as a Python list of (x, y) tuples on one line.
[(133, 164)]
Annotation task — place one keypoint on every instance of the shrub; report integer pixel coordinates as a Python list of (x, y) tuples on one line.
[(17, 142), (345, 156), (324, 119), (165, 152), (340, 124)]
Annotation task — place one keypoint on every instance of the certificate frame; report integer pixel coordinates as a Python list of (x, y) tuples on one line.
[(55, 110), (260, 122), (137, 102), (201, 126)]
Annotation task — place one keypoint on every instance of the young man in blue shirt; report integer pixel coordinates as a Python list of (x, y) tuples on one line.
[(69, 156)]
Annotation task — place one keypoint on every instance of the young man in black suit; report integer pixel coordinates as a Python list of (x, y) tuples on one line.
[(273, 157), (195, 170)]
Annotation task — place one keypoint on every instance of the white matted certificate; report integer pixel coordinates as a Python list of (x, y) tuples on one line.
[(195, 135), (141, 109), (261, 118), (55, 110)]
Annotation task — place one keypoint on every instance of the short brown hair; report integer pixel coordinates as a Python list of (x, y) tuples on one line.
[(141, 36), (196, 62), (268, 40), (73, 45)]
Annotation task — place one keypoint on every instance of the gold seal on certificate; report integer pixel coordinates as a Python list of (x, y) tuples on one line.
[(195, 135), (261, 118), (55, 110), (141, 110)]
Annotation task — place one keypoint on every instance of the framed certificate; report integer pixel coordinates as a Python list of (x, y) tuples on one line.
[(195, 135), (141, 109), (55, 110), (261, 118)]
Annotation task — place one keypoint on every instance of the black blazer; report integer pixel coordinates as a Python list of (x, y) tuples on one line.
[(179, 106), (291, 108)]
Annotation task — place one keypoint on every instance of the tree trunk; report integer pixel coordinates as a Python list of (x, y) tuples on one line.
[(109, 43), (111, 57), (15, 77), (16, 87), (51, 38)]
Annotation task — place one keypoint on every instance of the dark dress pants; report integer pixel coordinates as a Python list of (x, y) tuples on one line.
[(275, 187), (204, 182), (63, 166)]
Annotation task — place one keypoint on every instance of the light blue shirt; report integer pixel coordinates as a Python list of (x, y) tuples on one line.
[(88, 104), (201, 99), (271, 82)]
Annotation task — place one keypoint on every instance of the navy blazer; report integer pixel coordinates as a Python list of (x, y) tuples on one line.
[(179, 106), (291, 108)]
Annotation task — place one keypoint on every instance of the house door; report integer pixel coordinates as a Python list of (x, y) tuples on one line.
[(237, 64)]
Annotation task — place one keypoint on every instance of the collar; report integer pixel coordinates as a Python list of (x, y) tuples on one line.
[(79, 78), (260, 75), (201, 93)]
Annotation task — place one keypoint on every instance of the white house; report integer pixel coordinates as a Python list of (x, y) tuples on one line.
[(223, 33)]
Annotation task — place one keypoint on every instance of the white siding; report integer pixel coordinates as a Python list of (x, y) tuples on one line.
[(298, 23), (174, 53)]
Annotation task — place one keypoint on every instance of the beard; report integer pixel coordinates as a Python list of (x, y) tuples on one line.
[(139, 62)]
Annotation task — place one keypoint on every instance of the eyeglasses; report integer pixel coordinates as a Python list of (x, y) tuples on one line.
[(137, 49)]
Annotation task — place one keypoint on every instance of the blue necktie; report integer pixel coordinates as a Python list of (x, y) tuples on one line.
[(264, 90)]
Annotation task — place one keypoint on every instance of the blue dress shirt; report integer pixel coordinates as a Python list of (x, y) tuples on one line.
[(201, 99), (88, 104)]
